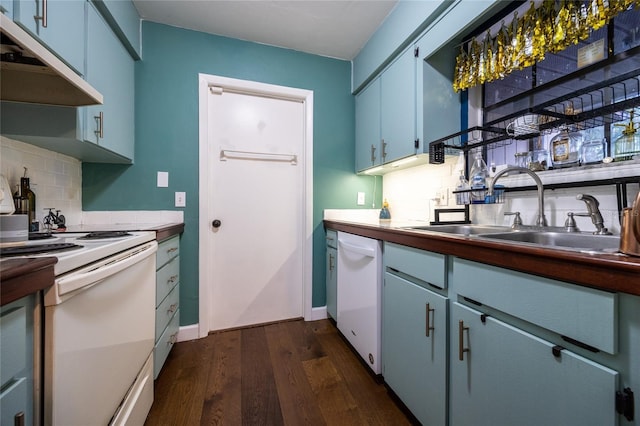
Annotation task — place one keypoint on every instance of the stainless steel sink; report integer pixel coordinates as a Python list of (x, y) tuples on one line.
[(566, 240), (462, 229)]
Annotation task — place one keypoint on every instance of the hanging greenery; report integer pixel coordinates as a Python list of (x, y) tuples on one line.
[(551, 27)]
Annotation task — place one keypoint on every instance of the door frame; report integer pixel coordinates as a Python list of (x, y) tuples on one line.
[(205, 81)]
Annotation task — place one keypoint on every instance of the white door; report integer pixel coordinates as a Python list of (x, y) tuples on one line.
[(256, 207)]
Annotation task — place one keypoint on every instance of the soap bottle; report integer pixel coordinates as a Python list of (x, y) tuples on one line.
[(463, 185), (384, 212), (478, 179), (627, 145)]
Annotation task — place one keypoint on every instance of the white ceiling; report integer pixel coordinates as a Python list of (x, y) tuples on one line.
[(333, 28)]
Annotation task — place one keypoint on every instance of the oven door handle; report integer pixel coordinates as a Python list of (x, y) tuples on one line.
[(94, 274)]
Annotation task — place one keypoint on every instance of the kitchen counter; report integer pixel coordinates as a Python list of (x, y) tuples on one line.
[(24, 276), (163, 230), (612, 272)]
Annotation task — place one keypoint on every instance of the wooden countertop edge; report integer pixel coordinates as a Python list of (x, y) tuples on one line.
[(603, 271), (168, 231), (21, 277)]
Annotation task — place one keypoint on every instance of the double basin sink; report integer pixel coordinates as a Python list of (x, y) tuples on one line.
[(551, 237)]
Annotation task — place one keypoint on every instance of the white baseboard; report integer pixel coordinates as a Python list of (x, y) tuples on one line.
[(318, 313), (188, 332)]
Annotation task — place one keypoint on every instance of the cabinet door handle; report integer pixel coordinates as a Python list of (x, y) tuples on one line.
[(428, 326), (100, 121), (373, 154), (171, 250), (384, 150), (461, 348), (172, 308), (42, 17), (172, 279), (331, 262), (18, 419)]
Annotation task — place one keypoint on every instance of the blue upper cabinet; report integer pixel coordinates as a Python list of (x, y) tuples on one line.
[(398, 107), (124, 20), (368, 143), (110, 69), (386, 115), (64, 29)]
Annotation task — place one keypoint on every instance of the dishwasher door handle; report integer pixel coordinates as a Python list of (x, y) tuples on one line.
[(365, 251)]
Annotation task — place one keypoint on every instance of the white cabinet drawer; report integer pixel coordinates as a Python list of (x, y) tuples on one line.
[(13, 341), (166, 310), (165, 343), (166, 279), (580, 313), (167, 250), (424, 265)]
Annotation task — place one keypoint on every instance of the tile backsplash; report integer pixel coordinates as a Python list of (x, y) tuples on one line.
[(56, 179)]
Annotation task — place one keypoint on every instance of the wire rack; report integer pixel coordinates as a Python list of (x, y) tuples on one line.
[(586, 102)]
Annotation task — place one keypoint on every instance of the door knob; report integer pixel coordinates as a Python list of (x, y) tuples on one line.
[(216, 223)]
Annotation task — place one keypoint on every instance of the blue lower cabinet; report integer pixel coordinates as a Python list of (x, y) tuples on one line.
[(504, 376), (415, 347)]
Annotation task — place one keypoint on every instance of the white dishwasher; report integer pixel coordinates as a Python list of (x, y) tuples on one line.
[(359, 295)]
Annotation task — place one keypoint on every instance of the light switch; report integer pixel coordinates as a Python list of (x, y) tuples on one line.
[(163, 179), (360, 198), (181, 199)]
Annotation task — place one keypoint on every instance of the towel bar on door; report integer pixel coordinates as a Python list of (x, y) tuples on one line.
[(258, 156)]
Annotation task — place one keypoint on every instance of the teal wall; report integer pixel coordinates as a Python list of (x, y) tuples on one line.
[(167, 136)]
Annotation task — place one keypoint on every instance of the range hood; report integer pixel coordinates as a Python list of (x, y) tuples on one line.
[(31, 73)]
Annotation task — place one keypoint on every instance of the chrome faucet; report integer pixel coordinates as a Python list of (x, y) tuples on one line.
[(593, 212), (541, 220)]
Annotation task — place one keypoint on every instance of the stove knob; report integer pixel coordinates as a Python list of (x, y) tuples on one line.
[(216, 223)]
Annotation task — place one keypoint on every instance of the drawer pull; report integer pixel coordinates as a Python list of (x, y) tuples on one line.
[(428, 326), (331, 262), (172, 279), (171, 250), (172, 308), (461, 348), (173, 338)]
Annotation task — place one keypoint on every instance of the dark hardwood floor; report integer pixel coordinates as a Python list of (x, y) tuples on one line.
[(288, 373)]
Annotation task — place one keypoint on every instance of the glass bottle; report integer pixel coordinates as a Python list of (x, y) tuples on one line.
[(478, 179), (463, 185), (27, 194)]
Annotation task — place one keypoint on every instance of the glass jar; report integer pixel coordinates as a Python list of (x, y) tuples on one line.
[(564, 148), (593, 151)]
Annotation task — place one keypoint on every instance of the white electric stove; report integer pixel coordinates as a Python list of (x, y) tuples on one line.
[(99, 326), (77, 249)]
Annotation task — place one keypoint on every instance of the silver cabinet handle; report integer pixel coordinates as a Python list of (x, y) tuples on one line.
[(172, 308), (373, 154), (172, 279), (42, 17), (171, 250), (428, 326), (384, 150), (100, 121), (461, 348), (331, 262)]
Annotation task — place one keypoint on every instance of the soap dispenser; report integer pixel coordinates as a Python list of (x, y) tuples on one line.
[(627, 145), (384, 212)]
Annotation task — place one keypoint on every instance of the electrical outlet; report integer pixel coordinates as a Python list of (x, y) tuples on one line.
[(360, 198), (181, 199)]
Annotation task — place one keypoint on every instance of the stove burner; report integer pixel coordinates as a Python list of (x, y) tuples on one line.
[(104, 234), (40, 236), (35, 249)]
